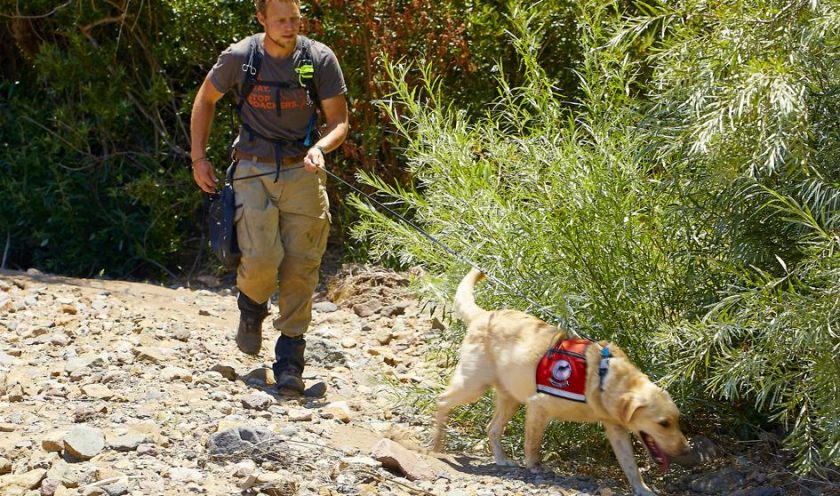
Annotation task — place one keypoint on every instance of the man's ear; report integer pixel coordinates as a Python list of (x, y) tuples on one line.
[(628, 404), (261, 19)]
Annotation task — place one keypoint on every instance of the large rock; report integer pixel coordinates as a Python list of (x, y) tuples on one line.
[(395, 457), (321, 353), (724, 481), (257, 401), (84, 442), (28, 480), (128, 441), (702, 450), (238, 440)]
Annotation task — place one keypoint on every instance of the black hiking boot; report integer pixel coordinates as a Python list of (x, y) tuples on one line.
[(251, 316), (288, 369)]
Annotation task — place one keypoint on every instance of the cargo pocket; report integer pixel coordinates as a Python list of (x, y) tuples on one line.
[(304, 236), (258, 233)]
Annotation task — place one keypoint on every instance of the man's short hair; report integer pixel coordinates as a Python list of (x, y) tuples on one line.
[(261, 5)]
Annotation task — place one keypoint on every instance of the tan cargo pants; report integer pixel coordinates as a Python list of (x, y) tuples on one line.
[(282, 229)]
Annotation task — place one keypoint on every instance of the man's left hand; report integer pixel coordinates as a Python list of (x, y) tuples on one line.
[(314, 159)]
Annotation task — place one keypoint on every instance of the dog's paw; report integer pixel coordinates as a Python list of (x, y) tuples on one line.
[(505, 462), (643, 491), (535, 468)]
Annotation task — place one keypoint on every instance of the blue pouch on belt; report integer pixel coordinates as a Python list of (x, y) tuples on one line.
[(220, 216)]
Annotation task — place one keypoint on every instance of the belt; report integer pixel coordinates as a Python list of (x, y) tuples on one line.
[(237, 155)]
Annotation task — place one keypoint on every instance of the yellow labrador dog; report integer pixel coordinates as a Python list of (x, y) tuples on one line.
[(502, 349)]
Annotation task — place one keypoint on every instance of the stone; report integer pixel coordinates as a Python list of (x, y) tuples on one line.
[(260, 377), (8, 360), (321, 353), (238, 439), (116, 488), (97, 391), (153, 355), (170, 374), (5, 466), (275, 484), (394, 310), (338, 410), (84, 442), (90, 361), (723, 481), (49, 487), (702, 450), (182, 334), (53, 442), (227, 371), (257, 401), (183, 474), (127, 442), (26, 480), (393, 456), (367, 308), (316, 390), (325, 307), (384, 336), (299, 415)]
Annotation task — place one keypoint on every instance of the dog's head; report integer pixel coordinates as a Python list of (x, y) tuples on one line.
[(651, 414)]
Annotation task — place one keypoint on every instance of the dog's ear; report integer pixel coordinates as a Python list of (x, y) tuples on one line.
[(628, 404)]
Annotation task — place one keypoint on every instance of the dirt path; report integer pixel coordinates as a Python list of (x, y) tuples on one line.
[(110, 387)]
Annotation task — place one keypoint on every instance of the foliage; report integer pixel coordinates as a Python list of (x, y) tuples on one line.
[(95, 110), (95, 132), (687, 199)]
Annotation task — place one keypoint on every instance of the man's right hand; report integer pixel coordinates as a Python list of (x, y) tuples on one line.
[(204, 175)]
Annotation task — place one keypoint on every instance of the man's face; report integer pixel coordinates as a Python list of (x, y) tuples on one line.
[(281, 22)]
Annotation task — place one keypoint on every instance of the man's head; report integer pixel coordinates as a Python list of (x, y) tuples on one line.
[(281, 20)]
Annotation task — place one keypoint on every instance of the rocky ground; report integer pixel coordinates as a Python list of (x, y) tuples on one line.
[(112, 388)]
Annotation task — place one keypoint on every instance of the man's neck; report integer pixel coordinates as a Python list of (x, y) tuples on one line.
[(275, 50)]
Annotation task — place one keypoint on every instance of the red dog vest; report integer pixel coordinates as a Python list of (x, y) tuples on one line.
[(562, 370)]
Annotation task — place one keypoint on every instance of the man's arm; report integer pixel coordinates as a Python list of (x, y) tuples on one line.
[(335, 113), (203, 111)]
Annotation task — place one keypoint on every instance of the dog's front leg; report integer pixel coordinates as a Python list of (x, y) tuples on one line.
[(623, 449), (536, 419)]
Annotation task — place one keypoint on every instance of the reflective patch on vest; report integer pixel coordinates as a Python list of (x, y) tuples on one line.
[(562, 370)]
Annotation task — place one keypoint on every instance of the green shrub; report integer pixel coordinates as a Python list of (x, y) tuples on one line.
[(685, 206)]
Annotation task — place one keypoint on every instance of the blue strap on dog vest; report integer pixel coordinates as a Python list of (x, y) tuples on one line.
[(604, 366)]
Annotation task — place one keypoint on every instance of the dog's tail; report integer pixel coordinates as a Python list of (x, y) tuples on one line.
[(465, 307)]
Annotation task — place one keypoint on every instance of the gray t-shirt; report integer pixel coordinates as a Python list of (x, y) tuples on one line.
[(261, 110)]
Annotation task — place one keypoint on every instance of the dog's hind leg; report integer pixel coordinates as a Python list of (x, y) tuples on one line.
[(623, 449), (468, 384), (536, 420), (506, 406)]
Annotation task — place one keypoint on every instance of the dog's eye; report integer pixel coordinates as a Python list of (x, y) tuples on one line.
[(665, 423)]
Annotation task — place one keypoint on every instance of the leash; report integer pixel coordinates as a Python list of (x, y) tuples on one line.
[(284, 169), (429, 237), (449, 250)]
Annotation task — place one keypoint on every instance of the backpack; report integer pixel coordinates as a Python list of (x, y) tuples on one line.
[(306, 71)]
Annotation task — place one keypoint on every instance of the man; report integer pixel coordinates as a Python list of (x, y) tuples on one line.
[(283, 223)]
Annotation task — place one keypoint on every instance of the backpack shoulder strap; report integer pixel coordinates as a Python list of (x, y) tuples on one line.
[(306, 70), (250, 71)]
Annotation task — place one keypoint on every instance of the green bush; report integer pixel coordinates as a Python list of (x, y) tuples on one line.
[(685, 206)]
